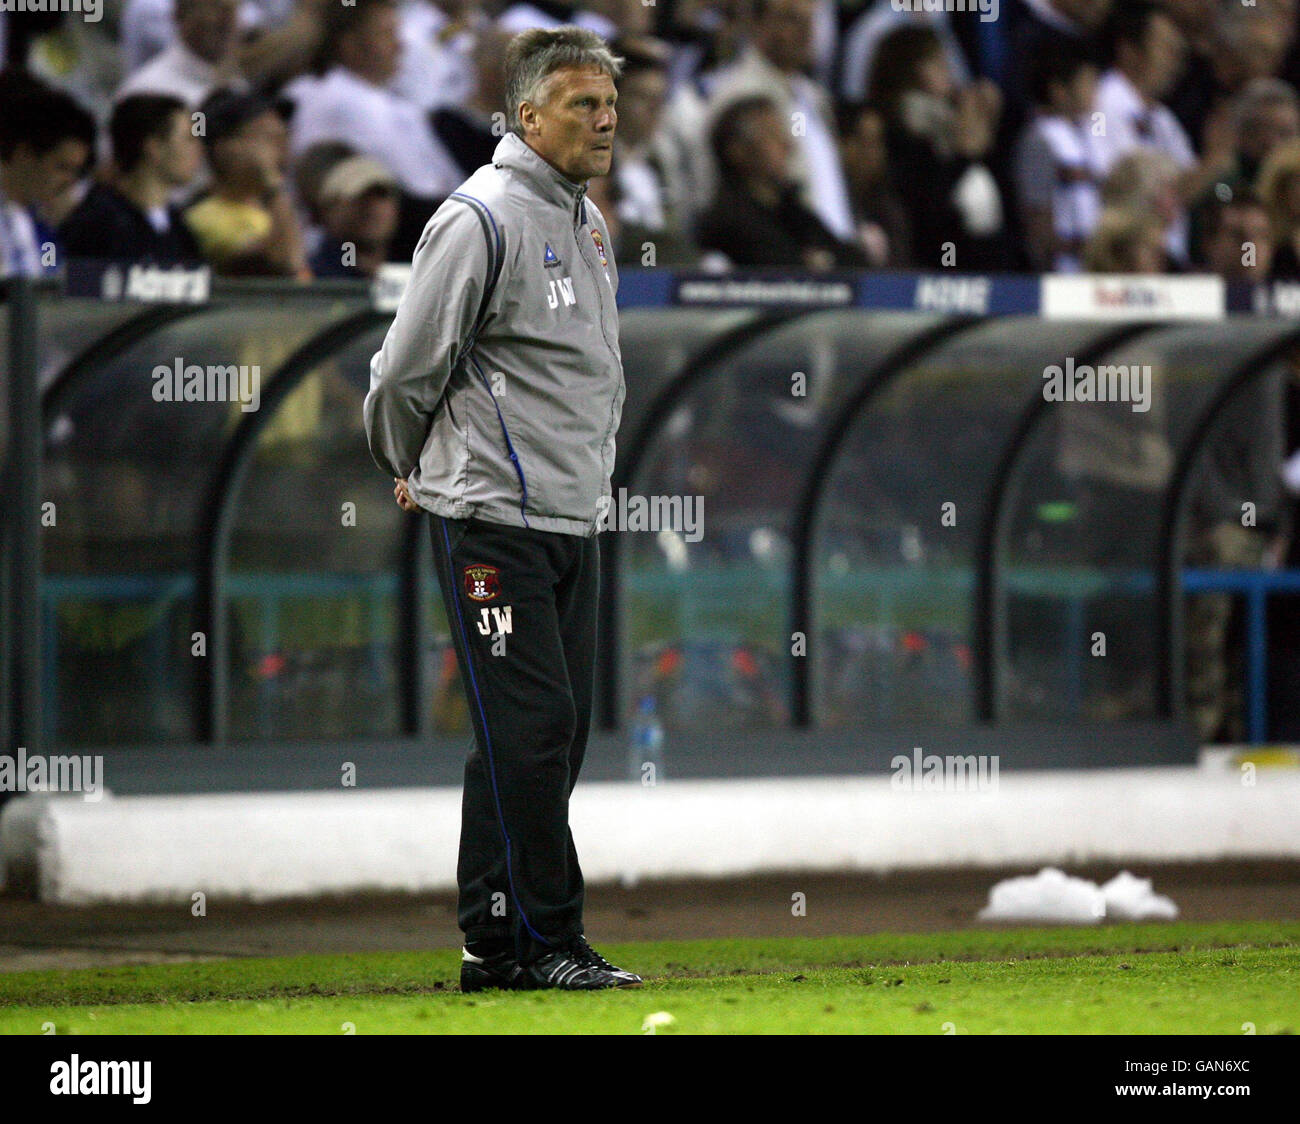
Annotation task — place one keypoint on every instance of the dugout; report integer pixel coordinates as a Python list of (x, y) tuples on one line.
[(905, 542)]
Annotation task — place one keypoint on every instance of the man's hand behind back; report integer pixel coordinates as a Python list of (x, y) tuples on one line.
[(403, 496)]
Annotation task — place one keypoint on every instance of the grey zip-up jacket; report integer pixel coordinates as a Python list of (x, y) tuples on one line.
[(499, 387)]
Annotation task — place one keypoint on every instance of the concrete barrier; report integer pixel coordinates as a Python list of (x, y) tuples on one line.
[(261, 846)]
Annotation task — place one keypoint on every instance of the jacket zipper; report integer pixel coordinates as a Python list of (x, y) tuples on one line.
[(613, 400)]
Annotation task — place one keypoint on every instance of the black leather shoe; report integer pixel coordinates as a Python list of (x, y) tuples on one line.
[(588, 957), (478, 973)]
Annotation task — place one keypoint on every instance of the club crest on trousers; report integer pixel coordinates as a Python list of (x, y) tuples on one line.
[(482, 583)]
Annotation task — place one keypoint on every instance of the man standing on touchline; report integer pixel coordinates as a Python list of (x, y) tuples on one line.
[(494, 403)]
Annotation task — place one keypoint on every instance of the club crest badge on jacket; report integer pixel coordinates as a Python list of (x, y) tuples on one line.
[(600, 249)]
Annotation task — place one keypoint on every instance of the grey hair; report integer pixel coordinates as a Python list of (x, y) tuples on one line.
[(534, 55)]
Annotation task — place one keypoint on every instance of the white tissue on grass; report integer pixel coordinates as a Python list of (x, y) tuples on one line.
[(1049, 895), (1130, 899), (1054, 896)]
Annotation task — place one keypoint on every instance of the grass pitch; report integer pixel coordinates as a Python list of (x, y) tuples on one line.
[(1220, 978)]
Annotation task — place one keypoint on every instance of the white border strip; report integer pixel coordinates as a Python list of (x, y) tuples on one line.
[(271, 845)]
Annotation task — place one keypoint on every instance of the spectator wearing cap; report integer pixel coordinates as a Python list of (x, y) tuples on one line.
[(466, 129), (246, 225), (46, 141), (128, 216), (353, 103), (309, 171), (757, 217), (359, 209), (203, 56)]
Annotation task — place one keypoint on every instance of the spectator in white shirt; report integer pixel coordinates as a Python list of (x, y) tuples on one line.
[(277, 37), (637, 182), (1058, 163), (773, 65), (1147, 55), (353, 102), (46, 141), (1147, 58), (554, 13), (203, 57), (438, 37)]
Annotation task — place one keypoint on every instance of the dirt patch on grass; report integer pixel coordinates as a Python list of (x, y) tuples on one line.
[(41, 936)]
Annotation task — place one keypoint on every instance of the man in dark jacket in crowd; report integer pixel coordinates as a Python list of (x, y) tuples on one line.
[(756, 218)]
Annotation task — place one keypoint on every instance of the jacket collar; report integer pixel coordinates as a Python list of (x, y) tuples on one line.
[(554, 187)]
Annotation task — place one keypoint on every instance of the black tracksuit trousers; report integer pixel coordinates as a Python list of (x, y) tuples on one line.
[(521, 605)]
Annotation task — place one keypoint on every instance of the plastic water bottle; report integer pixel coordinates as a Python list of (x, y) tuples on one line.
[(646, 746)]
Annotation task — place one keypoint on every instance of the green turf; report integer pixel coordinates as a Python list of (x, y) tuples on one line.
[(1159, 979)]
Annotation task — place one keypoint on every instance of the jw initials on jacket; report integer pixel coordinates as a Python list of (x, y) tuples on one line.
[(561, 290)]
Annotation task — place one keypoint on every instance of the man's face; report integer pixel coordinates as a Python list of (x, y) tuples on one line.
[(208, 27), (1085, 13), (765, 147), (1238, 227), (376, 46), (934, 75), (865, 155), (1161, 60), (1081, 91), (1191, 15), (258, 149), (640, 104), (785, 34), (369, 219), (572, 127), (1265, 130), (270, 132), (45, 176), (1149, 253), (179, 153)]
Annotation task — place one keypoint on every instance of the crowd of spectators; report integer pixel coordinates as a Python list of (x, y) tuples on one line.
[(313, 138)]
